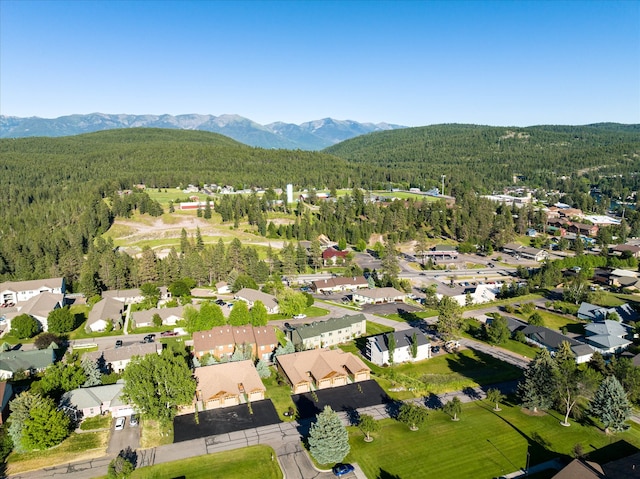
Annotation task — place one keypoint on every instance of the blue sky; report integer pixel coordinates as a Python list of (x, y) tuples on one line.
[(508, 63)]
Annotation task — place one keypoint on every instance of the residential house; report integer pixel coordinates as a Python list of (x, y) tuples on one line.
[(331, 256), (221, 341), (250, 296), (169, 316), (377, 350), (38, 307), (622, 278), (97, 401), (550, 339), (379, 295), (322, 334), (130, 296), (480, 293), (6, 395), (608, 337), (593, 312), (320, 369), (228, 384), (626, 249), (32, 361), (13, 292), (107, 311), (117, 359), (223, 287), (339, 284), (624, 468), (583, 229)]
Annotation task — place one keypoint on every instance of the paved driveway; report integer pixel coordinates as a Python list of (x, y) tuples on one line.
[(120, 440), (224, 420)]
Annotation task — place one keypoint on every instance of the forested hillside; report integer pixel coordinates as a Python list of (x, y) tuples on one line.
[(52, 189), (485, 157)]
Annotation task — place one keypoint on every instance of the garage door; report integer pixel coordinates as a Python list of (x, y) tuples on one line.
[(128, 411)]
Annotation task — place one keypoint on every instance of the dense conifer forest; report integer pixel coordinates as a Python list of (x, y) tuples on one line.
[(59, 194)]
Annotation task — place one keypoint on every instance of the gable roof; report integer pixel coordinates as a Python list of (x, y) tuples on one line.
[(606, 327), (333, 253), (125, 352), (252, 295), (381, 293), (594, 312), (146, 316), (42, 304), (547, 337), (579, 469), (341, 281), (83, 398), (403, 338), (222, 379), (226, 335), (32, 285), (317, 328), (107, 309), (20, 360)]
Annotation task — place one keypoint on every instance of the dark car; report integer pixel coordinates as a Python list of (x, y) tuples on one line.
[(166, 334), (149, 338), (342, 469), (118, 343), (220, 302), (288, 326), (435, 349)]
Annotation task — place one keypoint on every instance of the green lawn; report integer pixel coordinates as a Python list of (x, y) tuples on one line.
[(96, 422), (247, 463), (557, 321), (280, 395), (483, 444), (452, 372)]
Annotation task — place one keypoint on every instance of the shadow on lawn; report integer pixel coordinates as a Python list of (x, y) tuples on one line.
[(387, 475), (537, 446)]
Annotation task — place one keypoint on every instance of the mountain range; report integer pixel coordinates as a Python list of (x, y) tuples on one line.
[(312, 135)]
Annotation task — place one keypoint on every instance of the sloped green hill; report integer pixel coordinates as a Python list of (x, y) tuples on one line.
[(488, 157)]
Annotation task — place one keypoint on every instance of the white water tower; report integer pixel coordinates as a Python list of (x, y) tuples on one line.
[(289, 193)]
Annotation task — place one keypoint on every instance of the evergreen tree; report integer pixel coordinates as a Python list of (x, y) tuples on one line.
[(450, 319), (328, 438), (286, 348), (414, 345), (537, 388), (207, 209), (91, 371), (316, 254), (61, 320), (498, 330), (263, 369), (21, 407), (391, 345), (611, 405)]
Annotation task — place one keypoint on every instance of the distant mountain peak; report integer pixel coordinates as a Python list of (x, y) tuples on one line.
[(312, 135)]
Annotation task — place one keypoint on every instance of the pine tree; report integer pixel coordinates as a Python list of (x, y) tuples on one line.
[(91, 371), (328, 438), (611, 405), (391, 345), (287, 348), (263, 369), (537, 389)]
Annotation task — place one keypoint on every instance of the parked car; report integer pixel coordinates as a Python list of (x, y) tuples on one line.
[(149, 338), (219, 302), (133, 421), (342, 469), (167, 334), (435, 349), (120, 424), (118, 343), (288, 326), (300, 316)]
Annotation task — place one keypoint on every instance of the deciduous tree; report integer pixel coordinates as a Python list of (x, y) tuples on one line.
[(258, 314), (413, 415), (450, 319), (61, 320), (367, 425), (453, 408), (24, 326), (239, 315)]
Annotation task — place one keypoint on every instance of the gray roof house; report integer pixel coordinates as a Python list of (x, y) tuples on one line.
[(608, 337), (117, 359), (169, 316), (322, 334), (38, 306), (250, 296), (592, 312), (550, 339), (377, 350), (97, 400), (105, 311), (133, 295), (20, 291), (30, 361)]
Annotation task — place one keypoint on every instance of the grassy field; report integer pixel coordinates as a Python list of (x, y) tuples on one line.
[(248, 463), (76, 447), (483, 444), (280, 395), (557, 321), (96, 422)]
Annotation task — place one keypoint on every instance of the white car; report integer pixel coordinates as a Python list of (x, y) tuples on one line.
[(300, 316), (120, 424)]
